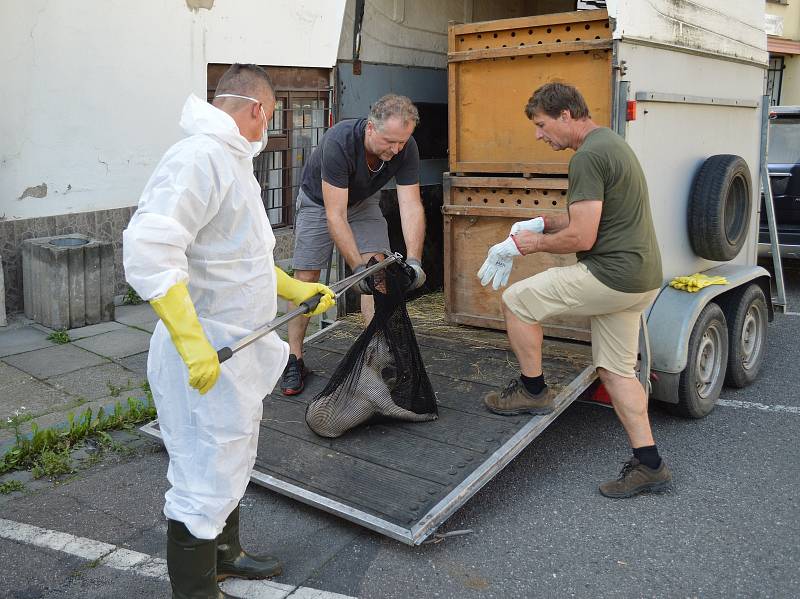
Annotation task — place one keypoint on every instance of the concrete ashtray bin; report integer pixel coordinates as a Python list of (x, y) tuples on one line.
[(68, 281)]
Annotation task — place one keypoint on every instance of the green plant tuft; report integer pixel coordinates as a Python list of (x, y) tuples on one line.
[(131, 298), (53, 463), (10, 486), (60, 336)]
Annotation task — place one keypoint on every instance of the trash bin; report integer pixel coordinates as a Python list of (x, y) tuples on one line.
[(68, 280)]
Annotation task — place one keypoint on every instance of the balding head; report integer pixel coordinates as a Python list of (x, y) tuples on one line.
[(243, 80), (245, 92)]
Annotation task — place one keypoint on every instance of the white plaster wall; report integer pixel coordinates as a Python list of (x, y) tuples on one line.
[(92, 90)]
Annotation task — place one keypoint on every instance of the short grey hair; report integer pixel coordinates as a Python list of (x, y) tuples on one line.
[(393, 105)]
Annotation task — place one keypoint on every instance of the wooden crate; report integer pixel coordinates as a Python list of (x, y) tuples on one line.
[(495, 66), (478, 213)]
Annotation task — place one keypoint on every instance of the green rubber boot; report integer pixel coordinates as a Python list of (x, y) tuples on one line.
[(232, 559), (192, 565)]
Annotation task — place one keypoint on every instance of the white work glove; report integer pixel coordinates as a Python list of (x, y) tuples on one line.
[(419, 274), (499, 261), (535, 225)]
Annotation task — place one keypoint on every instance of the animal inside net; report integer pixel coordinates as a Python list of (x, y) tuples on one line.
[(382, 374)]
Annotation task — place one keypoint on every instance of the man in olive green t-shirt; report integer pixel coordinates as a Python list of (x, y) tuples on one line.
[(618, 275)]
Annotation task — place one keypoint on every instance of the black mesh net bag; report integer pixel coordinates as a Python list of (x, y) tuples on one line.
[(382, 375)]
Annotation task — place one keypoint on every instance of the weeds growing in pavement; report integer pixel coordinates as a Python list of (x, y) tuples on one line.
[(10, 486), (53, 463), (46, 451), (60, 336), (131, 298), (115, 391)]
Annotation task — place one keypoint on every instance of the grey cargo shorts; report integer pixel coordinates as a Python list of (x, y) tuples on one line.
[(313, 243)]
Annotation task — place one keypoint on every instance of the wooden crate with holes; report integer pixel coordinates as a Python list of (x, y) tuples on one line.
[(495, 66), (478, 213)]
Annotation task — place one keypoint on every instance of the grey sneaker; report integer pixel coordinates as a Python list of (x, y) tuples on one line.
[(515, 399), (635, 478)]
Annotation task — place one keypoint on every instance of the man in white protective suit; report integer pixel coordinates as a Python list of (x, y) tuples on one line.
[(199, 249)]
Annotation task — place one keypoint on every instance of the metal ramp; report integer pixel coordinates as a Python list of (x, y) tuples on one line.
[(402, 479)]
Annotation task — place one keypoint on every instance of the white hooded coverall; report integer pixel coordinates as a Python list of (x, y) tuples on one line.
[(201, 219)]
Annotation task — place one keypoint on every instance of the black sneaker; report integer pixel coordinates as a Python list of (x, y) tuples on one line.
[(294, 376)]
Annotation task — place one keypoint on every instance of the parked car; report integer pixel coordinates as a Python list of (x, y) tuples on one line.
[(783, 161)]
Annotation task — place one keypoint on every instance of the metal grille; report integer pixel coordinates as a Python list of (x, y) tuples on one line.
[(300, 120), (774, 80)]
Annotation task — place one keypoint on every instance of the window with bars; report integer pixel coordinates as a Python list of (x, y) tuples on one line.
[(302, 114), (774, 80)]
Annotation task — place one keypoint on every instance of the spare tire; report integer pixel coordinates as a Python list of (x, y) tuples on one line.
[(719, 208)]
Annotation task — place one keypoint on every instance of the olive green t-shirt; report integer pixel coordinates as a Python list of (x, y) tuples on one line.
[(625, 255)]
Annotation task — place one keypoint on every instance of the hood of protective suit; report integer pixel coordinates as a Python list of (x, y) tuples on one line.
[(200, 117)]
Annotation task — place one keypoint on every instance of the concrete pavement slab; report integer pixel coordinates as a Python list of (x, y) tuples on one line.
[(37, 397), (94, 329), (135, 315), (11, 376), (98, 381), (137, 363), (20, 340), (52, 361), (117, 344), (147, 326)]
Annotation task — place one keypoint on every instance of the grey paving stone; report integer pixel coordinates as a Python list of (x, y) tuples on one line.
[(147, 326), (11, 376), (135, 315), (117, 344), (97, 381), (94, 329), (37, 397), (58, 359), (25, 339), (137, 363)]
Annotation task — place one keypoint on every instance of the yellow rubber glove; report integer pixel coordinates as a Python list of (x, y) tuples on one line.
[(177, 312), (696, 282), (297, 292)]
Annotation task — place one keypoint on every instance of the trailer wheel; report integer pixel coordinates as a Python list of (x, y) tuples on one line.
[(701, 380), (719, 208), (746, 313)]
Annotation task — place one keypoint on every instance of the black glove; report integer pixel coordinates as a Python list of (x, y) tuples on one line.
[(363, 286), (419, 274)]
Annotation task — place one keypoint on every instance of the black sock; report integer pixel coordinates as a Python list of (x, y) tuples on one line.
[(533, 384), (648, 456)]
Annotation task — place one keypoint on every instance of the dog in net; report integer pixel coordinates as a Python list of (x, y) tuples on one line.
[(382, 375)]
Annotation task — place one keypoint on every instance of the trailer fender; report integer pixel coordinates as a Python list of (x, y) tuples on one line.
[(674, 313)]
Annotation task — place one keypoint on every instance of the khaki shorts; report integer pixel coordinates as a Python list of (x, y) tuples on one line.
[(574, 291)]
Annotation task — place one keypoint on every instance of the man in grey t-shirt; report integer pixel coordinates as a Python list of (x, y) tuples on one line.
[(335, 204)]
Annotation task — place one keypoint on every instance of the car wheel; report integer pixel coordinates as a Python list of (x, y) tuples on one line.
[(719, 208), (747, 317), (701, 381)]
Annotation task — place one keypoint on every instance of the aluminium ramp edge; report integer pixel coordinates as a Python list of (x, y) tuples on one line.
[(434, 518)]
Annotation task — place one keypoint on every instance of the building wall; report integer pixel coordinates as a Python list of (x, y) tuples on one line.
[(789, 15), (92, 93)]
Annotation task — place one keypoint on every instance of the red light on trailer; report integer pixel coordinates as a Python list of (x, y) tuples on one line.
[(630, 114)]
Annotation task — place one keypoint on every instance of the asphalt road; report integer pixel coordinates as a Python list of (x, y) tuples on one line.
[(728, 528)]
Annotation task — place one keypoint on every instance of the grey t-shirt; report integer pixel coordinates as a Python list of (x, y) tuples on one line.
[(340, 160)]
